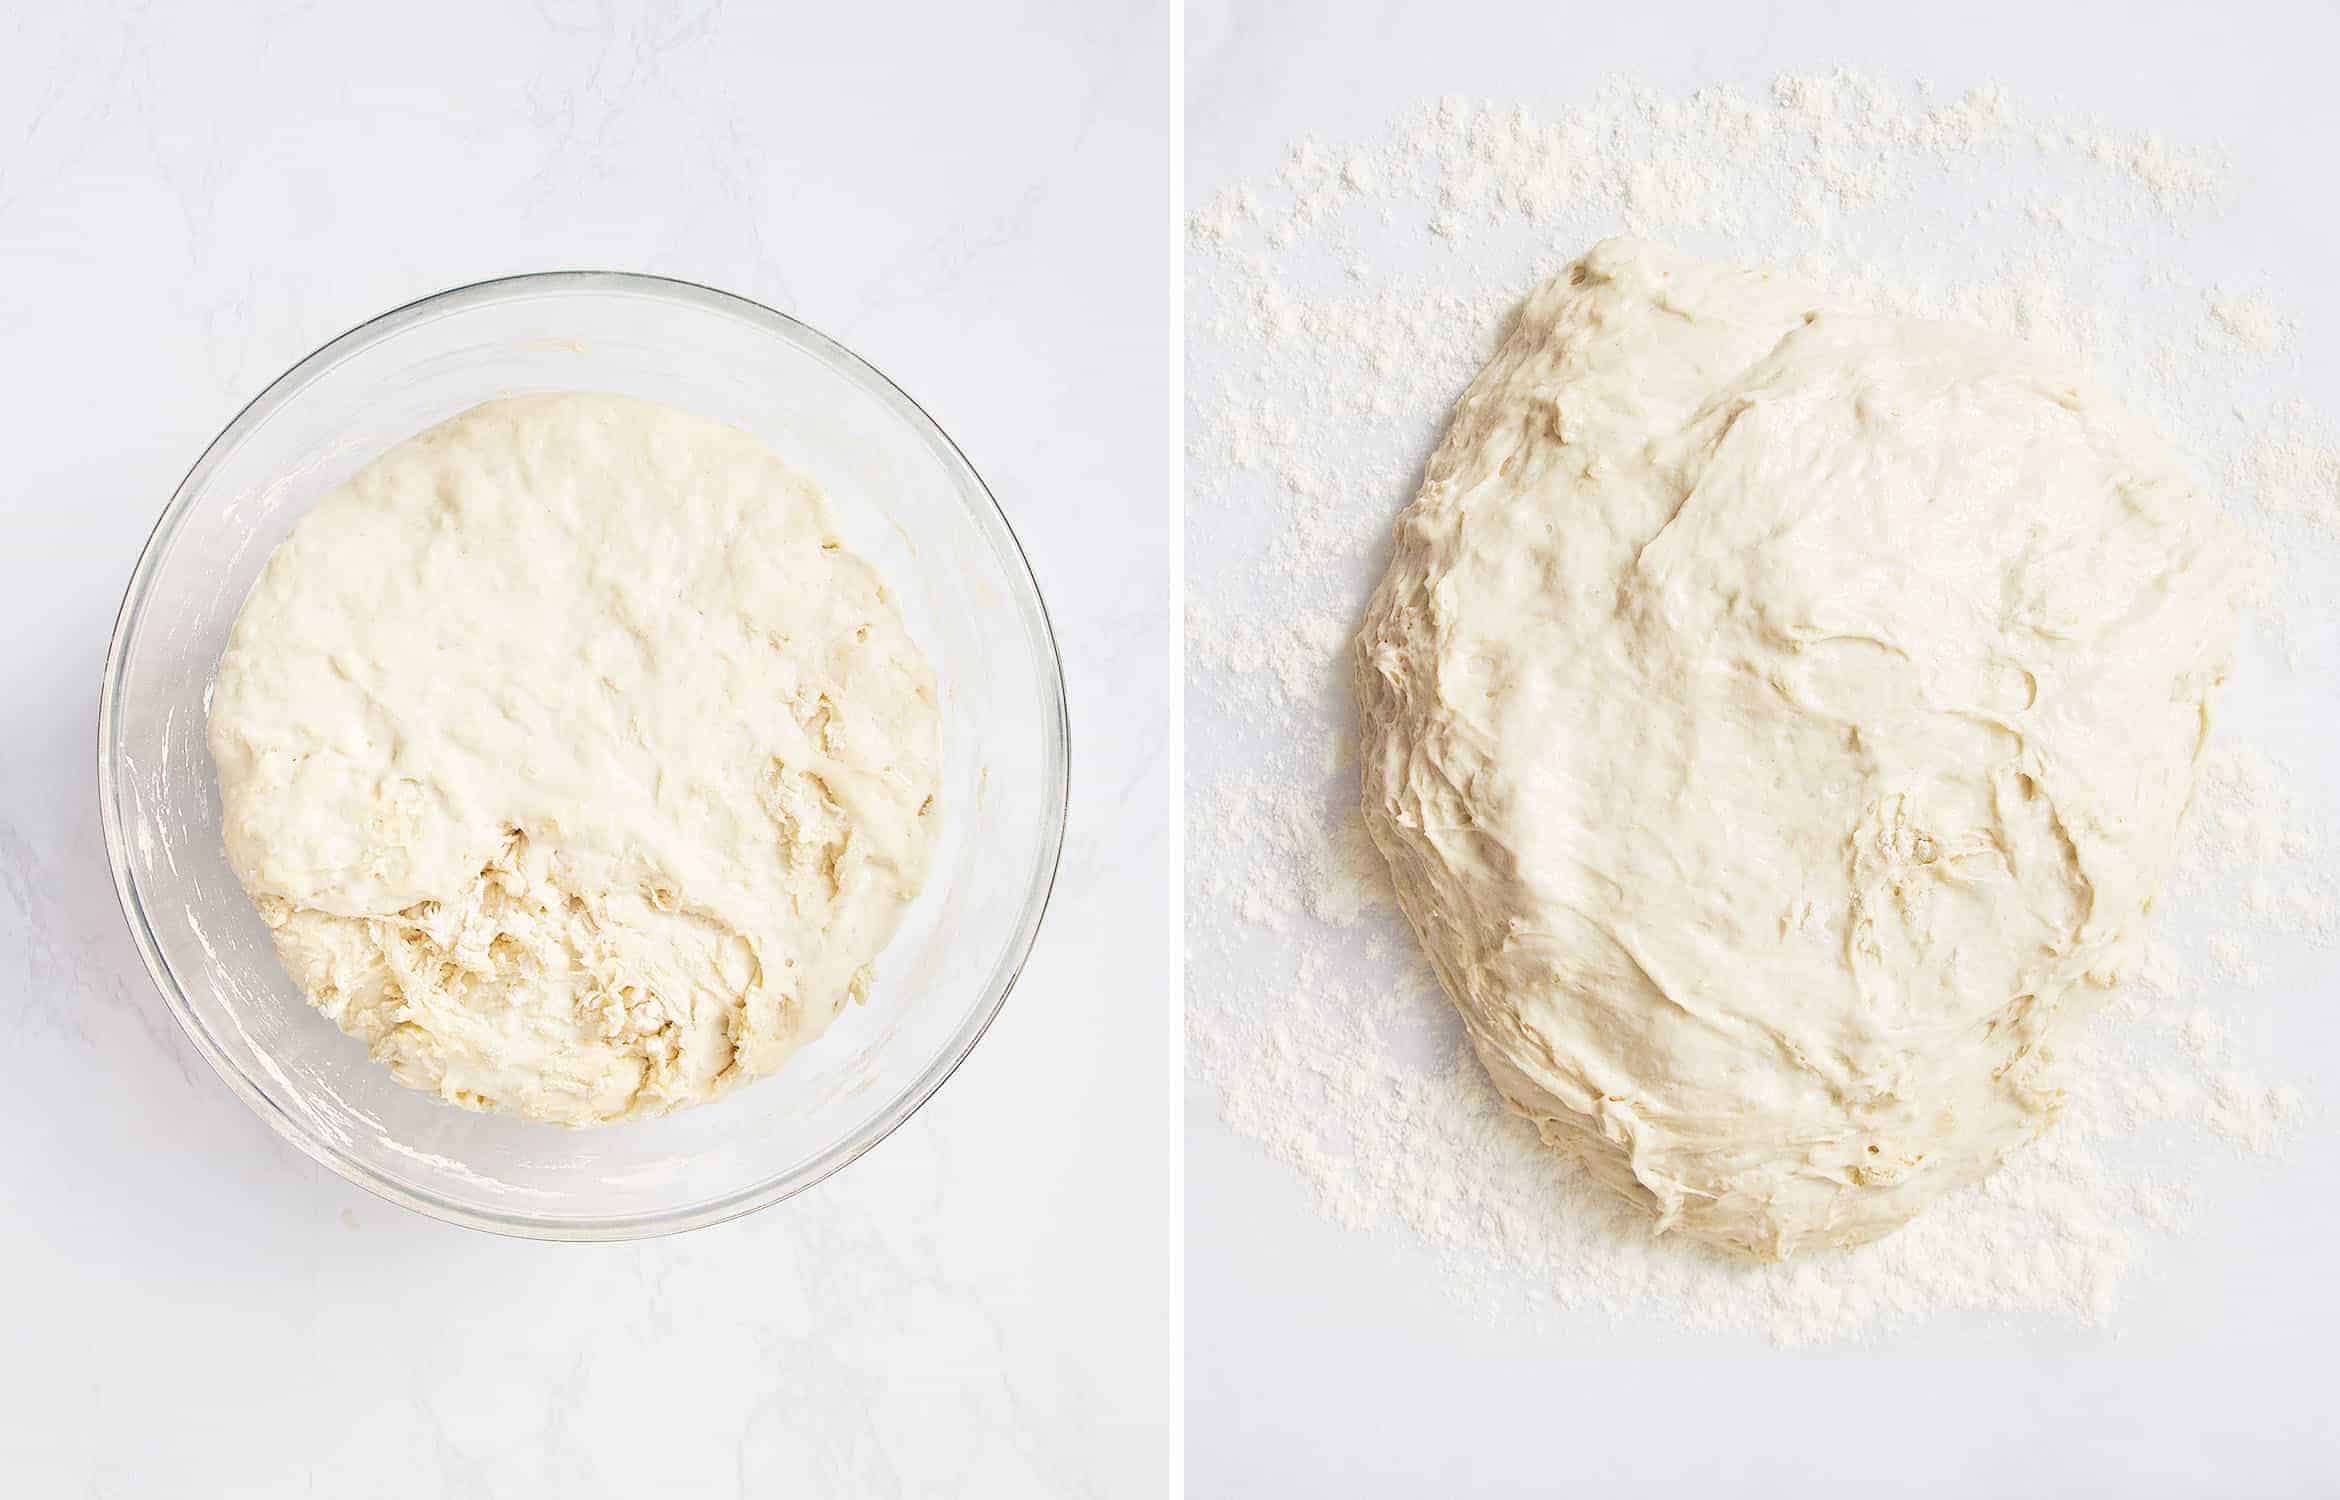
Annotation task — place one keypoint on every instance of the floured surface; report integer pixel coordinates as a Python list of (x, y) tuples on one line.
[(576, 766), (1339, 306)]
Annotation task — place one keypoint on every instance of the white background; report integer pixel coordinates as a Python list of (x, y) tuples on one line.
[(1326, 1362), (194, 197)]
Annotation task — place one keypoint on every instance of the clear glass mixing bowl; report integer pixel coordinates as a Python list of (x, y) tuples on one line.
[(906, 499)]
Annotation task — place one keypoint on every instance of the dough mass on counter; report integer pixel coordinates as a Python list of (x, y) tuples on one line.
[(576, 765), (1777, 720)]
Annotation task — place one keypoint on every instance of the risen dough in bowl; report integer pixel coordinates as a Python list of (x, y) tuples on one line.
[(1777, 720), (575, 764)]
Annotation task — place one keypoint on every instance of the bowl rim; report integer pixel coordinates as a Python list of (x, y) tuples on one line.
[(860, 372)]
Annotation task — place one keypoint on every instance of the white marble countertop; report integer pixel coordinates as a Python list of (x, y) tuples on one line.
[(192, 198)]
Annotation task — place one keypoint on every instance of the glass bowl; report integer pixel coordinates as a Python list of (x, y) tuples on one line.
[(906, 499)]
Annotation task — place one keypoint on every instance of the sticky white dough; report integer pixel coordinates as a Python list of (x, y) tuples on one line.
[(578, 768), (1777, 720)]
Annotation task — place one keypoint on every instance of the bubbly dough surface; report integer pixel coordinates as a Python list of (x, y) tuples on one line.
[(1777, 720), (576, 765)]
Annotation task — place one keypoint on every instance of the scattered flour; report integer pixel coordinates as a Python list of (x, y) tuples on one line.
[(2244, 321), (1338, 308)]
